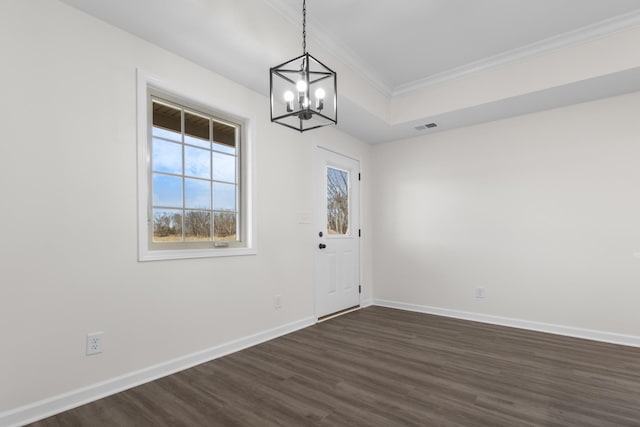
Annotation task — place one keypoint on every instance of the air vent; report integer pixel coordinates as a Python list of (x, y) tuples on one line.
[(427, 126)]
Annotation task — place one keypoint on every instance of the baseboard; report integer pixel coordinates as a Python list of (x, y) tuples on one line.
[(366, 302), (570, 331), (63, 402)]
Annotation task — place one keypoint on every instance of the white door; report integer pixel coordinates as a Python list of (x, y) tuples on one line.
[(337, 246)]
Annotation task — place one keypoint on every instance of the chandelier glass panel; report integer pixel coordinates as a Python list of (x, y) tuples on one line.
[(303, 91)]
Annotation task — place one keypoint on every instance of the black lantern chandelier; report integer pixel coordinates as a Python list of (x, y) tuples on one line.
[(304, 92)]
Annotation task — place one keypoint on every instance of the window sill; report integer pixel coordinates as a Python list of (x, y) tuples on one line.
[(162, 255)]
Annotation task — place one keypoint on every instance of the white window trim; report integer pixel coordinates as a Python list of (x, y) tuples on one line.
[(146, 82)]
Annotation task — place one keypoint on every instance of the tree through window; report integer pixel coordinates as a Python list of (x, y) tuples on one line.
[(337, 201)]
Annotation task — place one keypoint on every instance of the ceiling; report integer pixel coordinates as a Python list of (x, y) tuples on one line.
[(403, 43), (397, 47)]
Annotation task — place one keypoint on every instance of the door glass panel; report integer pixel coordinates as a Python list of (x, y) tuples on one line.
[(337, 201)]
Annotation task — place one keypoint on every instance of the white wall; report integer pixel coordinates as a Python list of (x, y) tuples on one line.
[(541, 210), (68, 254)]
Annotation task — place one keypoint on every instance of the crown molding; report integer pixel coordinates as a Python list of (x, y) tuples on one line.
[(581, 35), (571, 38)]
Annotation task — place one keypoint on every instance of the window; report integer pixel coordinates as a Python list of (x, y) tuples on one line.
[(337, 202), (195, 182), (194, 176)]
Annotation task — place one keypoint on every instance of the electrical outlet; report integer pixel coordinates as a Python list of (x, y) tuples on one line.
[(94, 343), (479, 292), (277, 301)]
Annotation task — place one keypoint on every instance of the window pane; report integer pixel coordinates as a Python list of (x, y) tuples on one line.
[(166, 134), (167, 156), (167, 117), (224, 167), (197, 162), (197, 142), (224, 135), (197, 194), (337, 201), (196, 125), (197, 225), (167, 225), (224, 226), (167, 190), (194, 169), (224, 148), (224, 197)]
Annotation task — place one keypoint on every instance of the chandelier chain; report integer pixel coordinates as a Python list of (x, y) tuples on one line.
[(304, 26)]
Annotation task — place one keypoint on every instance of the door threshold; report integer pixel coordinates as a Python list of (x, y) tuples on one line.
[(338, 313)]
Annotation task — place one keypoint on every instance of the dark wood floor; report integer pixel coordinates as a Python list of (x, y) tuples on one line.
[(384, 367)]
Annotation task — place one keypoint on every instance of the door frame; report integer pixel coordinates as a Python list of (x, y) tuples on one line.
[(318, 219)]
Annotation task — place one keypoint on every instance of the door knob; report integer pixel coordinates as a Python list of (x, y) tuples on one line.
[(322, 246)]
